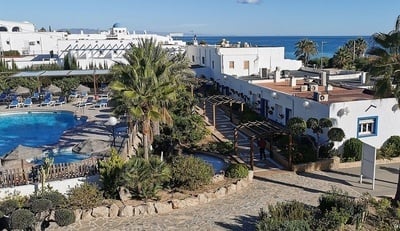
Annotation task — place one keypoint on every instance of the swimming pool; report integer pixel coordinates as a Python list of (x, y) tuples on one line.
[(33, 129), (63, 156), (217, 163)]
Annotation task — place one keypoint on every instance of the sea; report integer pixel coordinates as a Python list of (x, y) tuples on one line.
[(330, 44)]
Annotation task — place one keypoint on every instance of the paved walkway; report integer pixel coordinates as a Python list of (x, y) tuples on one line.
[(235, 212)]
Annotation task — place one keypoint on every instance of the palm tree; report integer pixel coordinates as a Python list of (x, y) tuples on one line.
[(386, 64), (305, 49), (342, 58), (147, 85)]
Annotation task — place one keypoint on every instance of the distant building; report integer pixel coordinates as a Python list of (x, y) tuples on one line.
[(280, 89), (99, 49)]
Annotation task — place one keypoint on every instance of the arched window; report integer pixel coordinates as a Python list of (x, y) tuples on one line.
[(16, 29), (3, 28)]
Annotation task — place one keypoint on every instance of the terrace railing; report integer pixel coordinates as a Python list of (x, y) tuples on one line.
[(16, 177)]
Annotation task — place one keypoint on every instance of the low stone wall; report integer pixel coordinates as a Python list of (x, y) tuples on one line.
[(325, 164), (149, 208)]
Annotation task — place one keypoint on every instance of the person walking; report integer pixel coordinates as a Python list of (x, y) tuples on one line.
[(261, 145)]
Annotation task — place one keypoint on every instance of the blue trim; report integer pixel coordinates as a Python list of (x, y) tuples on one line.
[(375, 128)]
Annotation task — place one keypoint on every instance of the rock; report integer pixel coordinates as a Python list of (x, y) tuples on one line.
[(163, 207), (78, 214), (220, 193), (178, 204), (191, 201), (124, 194), (218, 178), (150, 208), (202, 198), (87, 215), (114, 209), (140, 210), (101, 211), (126, 211), (52, 215), (231, 189), (210, 196), (250, 176)]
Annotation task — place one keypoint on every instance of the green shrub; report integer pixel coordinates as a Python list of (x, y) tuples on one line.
[(64, 217), (334, 219), (22, 219), (284, 216), (85, 196), (237, 171), (144, 178), (352, 150), (110, 171), (391, 148), (41, 205), (190, 172), (344, 206), (8, 206), (57, 199)]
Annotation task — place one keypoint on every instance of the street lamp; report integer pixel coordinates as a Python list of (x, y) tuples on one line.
[(322, 51), (112, 121)]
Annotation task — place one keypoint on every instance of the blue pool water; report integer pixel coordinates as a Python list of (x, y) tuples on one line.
[(33, 129), (63, 156), (217, 163)]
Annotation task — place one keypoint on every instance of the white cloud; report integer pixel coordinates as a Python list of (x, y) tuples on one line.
[(249, 1)]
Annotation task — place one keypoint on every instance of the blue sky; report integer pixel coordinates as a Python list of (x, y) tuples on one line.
[(213, 17)]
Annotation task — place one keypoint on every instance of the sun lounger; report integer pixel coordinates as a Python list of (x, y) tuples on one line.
[(47, 102), (14, 103), (59, 101), (89, 101), (101, 103), (27, 102)]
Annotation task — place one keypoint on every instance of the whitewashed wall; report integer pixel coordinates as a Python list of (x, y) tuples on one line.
[(386, 111), (62, 186)]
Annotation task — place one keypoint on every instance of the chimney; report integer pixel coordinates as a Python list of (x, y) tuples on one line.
[(277, 75), (323, 78), (292, 81), (363, 77)]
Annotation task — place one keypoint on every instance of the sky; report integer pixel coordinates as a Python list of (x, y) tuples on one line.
[(213, 17)]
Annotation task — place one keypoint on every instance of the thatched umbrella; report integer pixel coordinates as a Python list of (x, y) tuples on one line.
[(15, 164), (92, 147), (22, 90), (53, 89), (24, 152), (82, 89)]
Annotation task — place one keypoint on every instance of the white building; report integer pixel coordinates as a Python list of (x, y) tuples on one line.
[(280, 95), (99, 49)]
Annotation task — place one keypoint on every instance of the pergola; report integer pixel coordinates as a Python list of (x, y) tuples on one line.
[(63, 73), (219, 100), (260, 129)]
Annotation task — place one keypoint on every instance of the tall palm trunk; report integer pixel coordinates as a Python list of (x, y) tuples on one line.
[(146, 136)]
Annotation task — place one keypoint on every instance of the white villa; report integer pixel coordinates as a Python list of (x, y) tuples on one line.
[(100, 49), (280, 89)]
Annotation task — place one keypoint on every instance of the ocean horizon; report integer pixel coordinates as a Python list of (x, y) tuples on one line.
[(330, 43)]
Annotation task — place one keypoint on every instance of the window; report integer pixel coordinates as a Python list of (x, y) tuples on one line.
[(212, 64), (31, 43), (246, 64), (192, 58), (367, 126), (202, 60), (231, 64), (3, 28)]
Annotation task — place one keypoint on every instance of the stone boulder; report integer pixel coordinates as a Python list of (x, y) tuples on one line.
[(163, 207), (101, 211), (114, 209), (124, 194), (126, 211), (87, 215)]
